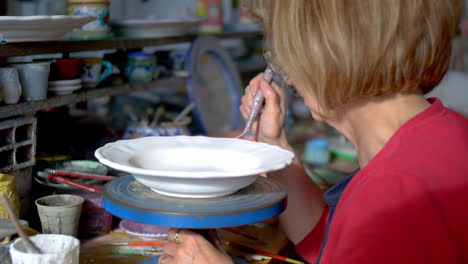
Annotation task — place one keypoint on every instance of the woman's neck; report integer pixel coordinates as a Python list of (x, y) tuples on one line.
[(369, 125)]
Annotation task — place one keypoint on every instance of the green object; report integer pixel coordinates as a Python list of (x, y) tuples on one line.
[(343, 155)]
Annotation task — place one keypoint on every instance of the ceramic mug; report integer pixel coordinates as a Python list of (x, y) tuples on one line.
[(93, 73), (34, 77), (68, 69), (9, 80)]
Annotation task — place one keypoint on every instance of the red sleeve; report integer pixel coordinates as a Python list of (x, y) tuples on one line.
[(309, 247), (391, 217)]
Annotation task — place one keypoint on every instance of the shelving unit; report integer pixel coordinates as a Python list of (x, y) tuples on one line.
[(84, 95), (66, 46)]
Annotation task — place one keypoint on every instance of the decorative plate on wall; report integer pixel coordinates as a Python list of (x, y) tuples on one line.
[(214, 85)]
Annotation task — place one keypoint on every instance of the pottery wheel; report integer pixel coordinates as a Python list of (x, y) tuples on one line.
[(129, 199)]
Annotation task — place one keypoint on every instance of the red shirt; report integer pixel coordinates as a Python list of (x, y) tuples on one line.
[(409, 204)]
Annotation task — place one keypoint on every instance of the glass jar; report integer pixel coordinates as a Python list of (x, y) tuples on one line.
[(140, 67)]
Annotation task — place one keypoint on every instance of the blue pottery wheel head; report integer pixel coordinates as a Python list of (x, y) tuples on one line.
[(129, 199)]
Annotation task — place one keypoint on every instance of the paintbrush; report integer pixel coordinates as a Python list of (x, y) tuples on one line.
[(135, 252), (257, 104), (143, 243), (28, 244)]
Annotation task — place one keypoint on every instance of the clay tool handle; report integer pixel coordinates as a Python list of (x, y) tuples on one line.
[(143, 243), (257, 104), (81, 175), (72, 183), (262, 252), (28, 244)]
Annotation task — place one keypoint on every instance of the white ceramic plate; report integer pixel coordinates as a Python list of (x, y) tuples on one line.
[(65, 82), (147, 28), (193, 166), (62, 90), (39, 28)]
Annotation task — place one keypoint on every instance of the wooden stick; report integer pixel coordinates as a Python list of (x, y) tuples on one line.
[(72, 183), (28, 244), (81, 175)]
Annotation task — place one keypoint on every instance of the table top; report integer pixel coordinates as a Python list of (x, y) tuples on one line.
[(270, 238)]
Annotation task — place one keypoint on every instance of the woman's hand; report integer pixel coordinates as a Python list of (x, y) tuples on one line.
[(269, 126), (186, 247)]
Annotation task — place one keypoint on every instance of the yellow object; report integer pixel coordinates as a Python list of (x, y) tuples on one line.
[(8, 188)]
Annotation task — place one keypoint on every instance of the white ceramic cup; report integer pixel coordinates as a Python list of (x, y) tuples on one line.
[(56, 249), (11, 86), (60, 214), (34, 79)]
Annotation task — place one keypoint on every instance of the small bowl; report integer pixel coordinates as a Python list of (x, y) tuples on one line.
[(193, 166)]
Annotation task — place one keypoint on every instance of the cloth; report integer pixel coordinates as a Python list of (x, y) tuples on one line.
[(409, 204)]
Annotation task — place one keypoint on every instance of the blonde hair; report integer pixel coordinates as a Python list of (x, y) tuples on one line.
[(345, 50)]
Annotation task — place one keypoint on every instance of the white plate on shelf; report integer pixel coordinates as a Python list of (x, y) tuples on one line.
[(73, 82), (63, 90), (147, 28), (193, 166), (39, 28)]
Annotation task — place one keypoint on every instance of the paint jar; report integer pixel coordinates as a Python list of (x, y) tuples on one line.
[(97, 29), (60, 214), (140, 67), (317, 152), (212, 13), (56, 249)]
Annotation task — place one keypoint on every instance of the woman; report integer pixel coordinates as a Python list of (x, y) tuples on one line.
[(364, 67)]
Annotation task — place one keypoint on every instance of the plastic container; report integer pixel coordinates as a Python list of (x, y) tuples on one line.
[(56, 249)]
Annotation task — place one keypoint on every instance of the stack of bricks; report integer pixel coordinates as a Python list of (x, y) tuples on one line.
[(17, 143)]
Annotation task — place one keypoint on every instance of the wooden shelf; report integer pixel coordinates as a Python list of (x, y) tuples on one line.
[(65, 46), (84, 95)]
